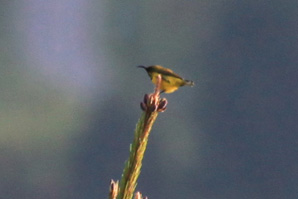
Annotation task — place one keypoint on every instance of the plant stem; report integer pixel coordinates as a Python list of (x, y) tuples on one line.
[(134, 163), (151, 106)]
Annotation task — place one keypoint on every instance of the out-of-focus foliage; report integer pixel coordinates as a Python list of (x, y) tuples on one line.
[(70, 93)]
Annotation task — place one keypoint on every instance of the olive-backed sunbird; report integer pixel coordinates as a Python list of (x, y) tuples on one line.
[(170, 81)]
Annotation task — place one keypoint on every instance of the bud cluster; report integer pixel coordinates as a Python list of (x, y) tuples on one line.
[(153, 103)]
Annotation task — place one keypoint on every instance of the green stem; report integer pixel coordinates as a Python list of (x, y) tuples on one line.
[(133, 165)]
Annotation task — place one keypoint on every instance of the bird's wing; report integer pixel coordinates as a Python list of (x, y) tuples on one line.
[(165, 79), (169, 72)]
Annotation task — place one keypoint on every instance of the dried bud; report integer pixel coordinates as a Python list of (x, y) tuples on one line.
[(146, 98), (152, 107), (152, 102), (138, 195), (162, 103), (151, 99), (114, 187), (162, 110), (143, 106)]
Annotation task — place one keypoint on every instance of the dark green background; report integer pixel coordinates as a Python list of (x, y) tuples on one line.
[(70, 93)]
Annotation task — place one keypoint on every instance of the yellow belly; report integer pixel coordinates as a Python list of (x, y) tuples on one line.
[(169, 85)]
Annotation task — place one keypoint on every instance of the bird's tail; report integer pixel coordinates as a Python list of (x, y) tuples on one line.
[(189, 83)]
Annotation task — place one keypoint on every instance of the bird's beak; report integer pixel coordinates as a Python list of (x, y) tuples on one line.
[(142, 66)]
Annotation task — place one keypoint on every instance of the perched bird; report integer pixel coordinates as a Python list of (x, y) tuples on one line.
[(170, 80)]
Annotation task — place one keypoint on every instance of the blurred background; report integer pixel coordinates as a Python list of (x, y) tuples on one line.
[(70, 94)]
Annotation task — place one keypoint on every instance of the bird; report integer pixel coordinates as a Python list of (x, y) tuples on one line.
[(170, 81)]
